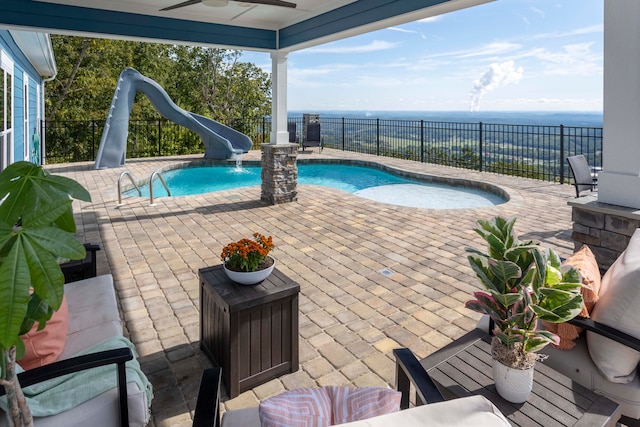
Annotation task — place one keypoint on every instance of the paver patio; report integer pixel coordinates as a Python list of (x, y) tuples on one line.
[(332, 243)]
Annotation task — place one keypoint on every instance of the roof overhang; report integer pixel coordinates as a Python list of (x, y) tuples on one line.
[(38, 50), (271, 29)]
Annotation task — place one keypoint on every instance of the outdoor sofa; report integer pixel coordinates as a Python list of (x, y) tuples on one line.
[(93, 320), (431, 409), (606, 357)]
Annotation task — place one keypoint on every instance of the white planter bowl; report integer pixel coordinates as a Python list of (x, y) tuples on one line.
[(249, 277)]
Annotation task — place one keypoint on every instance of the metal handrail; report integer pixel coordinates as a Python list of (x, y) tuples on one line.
[(159, 175), (128, 174)]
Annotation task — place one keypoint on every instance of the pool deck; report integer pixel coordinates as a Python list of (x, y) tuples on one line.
[(332, 243)]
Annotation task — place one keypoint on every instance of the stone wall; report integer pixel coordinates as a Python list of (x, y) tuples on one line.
[(605, 228), (279, 173)]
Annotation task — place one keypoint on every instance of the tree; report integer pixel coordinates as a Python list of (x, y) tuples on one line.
[(207, 81)]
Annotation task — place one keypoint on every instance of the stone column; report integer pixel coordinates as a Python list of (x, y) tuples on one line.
[(279, 173)]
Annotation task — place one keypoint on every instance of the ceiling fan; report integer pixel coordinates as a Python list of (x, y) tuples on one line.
[(223, 3)]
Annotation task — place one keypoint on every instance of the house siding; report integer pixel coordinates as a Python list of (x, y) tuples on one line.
[(22, 65)]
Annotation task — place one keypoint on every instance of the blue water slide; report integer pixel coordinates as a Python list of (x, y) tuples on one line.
[(220, 141)]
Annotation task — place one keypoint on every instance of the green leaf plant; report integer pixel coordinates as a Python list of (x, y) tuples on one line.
[(36, 234), (524, 282)]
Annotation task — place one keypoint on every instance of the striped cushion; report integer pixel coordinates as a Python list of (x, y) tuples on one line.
[(355, 404), (319, 407), (310, 407)]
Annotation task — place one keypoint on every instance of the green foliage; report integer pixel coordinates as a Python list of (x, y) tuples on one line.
[(36, 232), (207, 81), (523, 282)]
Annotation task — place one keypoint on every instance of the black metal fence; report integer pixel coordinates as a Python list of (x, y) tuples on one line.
[(531, 151)]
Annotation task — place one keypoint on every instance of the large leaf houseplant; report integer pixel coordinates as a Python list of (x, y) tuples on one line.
[(36, 233), (524, 282)]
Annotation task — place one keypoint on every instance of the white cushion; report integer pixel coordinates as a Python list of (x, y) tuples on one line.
[(90, 323), (618, 307), (474, 411), (247, 417)]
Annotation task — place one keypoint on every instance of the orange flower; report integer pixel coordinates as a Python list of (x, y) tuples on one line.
[(246, 254)]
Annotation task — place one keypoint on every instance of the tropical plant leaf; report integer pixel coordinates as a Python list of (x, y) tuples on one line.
[(505, 300), (45, 214), (46, 277), (553, 276), (478, 266), (69, 186), (57, 242), (496, 246), (37, 311), (504, 271), (14, 294), (554, 259), (570, 274), (537, 340)]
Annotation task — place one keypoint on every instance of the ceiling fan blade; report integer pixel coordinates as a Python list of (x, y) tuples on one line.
[(271, 2), (281, 3), (183, 4)]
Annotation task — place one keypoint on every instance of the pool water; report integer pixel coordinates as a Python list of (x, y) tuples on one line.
[(366, 182)]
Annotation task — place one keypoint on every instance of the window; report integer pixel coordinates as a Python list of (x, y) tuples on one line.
[(27, 140), (6, 110)]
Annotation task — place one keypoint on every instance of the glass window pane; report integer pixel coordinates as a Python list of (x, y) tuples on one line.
[(9, 100), (2, 109)]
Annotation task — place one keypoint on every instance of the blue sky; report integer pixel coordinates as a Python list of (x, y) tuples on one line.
[(508, 55)]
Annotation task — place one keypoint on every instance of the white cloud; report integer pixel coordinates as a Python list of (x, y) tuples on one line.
[(538, 11), (498, 74), (374, 46), (573, 59), (402, 30), (495, 48), (592, 29)]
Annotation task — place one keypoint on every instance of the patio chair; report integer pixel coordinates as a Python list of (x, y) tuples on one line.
[(312, 137), (431, 408), (583, 177)]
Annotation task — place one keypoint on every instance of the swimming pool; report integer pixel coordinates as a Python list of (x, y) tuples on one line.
[(366, 182)]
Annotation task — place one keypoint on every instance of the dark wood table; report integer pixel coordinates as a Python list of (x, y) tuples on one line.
[(463, 368), (250, 331)]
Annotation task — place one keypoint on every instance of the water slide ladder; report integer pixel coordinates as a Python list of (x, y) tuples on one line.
[(133, 181)]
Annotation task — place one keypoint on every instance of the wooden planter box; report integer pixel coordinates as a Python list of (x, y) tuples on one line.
[(250, 331)]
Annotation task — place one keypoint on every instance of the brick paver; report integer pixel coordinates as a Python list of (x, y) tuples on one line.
[(332, 243)]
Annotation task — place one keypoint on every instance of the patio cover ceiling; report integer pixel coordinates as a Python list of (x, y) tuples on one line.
[(238, 25)]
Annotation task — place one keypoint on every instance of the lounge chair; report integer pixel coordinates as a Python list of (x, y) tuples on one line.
[(312, 137), (583, 177), (431, 408)]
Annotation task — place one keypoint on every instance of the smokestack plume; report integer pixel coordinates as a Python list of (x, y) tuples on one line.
[(498, 74)]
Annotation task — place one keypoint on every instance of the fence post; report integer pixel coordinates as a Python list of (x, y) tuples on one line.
[(343, 135), (421, 141), (264, 130), (159, 137), (480, 148), (93, 139), (561, 154), (377, 137)]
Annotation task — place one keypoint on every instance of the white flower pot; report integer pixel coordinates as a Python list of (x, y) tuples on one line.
[(512, 384), (249, 277)]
